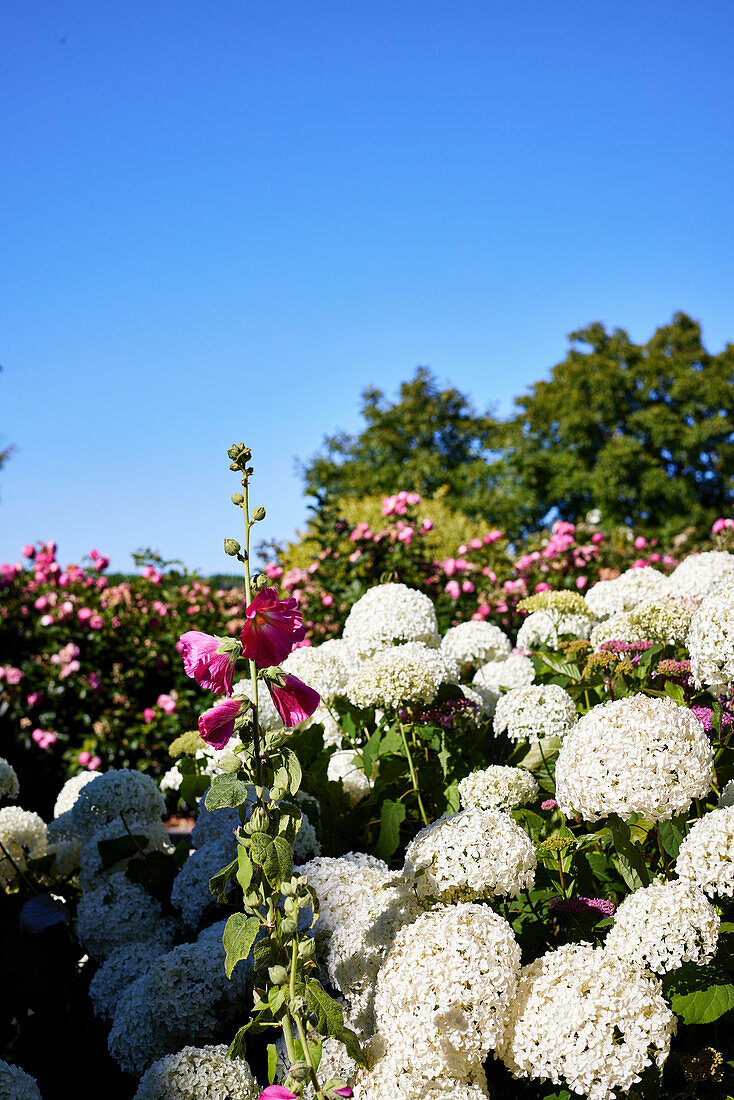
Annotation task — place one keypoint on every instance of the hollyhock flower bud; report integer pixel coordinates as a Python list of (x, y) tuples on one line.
[(216, 726), (210, 660), (294, 701), (271, 629)]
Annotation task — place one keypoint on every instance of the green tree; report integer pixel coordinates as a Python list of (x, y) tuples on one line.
[(643, 432), (428, 438)]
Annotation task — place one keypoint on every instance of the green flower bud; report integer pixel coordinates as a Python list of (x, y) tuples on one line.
[(299, 1071), (288, 927), (278, 975), (306, 948), (258, 514), (238, 499), (260, 581), (259, 820), (232, 547)]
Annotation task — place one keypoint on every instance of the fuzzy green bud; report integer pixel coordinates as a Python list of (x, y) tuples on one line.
[(238, 499), (232, 547), (258, 514), (288, 927), (306, 948), (260, 581), (299, 1071), (259, 820), (278, 975)]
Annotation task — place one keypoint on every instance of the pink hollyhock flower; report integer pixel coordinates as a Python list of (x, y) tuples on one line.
[(277, 1092), (345, 1092), (271, 629), (216, 726), (294, 700), (210, 660), (148, 715)]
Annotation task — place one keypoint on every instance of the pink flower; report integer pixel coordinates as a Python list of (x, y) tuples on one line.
[(47, 620), (467, 586), (581, 582), (13, 675), (275, 572), (94, 764), (271, 629), (84, 757), (543, 586), (216, 726), (28, 551), (148, 715), (277, 1092), (96, 622), (640, 543), (598, 537), (548, 804), (294, 700), (167, 703), (427, 525), (452, 589), (475, 543), (84, 614), (44, 738), (210, 660), (33, 698), (492, 536)]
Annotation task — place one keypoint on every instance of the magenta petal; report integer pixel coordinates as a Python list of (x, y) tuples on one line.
[(202, 662), (216, 726), (276, 1092), (272, 627), (294, 700)]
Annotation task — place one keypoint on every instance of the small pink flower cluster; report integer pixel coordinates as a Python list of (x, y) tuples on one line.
[(722, 524), (44, 738), (398, 504), (91, 763), (67, 660), (10, 674)]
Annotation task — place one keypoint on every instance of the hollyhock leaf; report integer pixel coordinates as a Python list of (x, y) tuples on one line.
[(42, 912), (239, 936), (331, 1019), (219, 883), (245, 869), (272, 1061), (289, 774), (226, 792), (238, 1046), (274, 855)]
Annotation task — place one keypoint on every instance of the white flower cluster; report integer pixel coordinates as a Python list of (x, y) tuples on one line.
[(150, 835), (184, 997), (473, 854), (706, 856), (665, 621), (9, 785), (409, 673), (710, 640), (699, 574), (126, 792), (389, 1080), (540, 628), (474, 643), (23, 836), (117, 912), (361, 942), (340, 882), (515, 671), (121, 967), (497, 787), (445, 990), (326, 668), (634, 586), (388, 614), (190, 894), (534, 712), (16, 1084), (70, 791), (636, 755), (663, 926), (343, 769), (726, 798), (588, 1020), (198, 1073), (217, 824), (307, 844)]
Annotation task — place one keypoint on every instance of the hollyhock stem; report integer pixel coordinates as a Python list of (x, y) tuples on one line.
[(251, 663), (413, 775)]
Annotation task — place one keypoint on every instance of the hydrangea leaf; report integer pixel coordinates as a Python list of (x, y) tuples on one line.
[(699, 994)]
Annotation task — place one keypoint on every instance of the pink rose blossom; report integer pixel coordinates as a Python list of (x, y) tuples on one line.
[(84, 757), (467, 586), (44, 738), (640, 543), (492, 536), (33, 698), (13, 675), (427, 525), (94, 764), (581, 582), (209, 660), (28, 551), (452, 589), (148, 715), (476, 544), (47, 620), (293, 700), (542, 586), (463, 549), (275, 572), (216, 726), (41, 603), (84, 614), (96, 622), (327, 600), (271, 629), (168, 703)]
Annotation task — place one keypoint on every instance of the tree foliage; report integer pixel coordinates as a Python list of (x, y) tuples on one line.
[(645, 432)]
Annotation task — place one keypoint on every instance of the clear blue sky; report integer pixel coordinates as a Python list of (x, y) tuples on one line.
[(221, 219)]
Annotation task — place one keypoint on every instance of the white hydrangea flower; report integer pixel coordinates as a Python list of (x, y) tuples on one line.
[(726, 798), (444, 992), (409, 673), (198, 1073), (665, 621), (515, 671), (126, 792), (23, 836), (497, 787), (190, 894), (587, 1020), (541, 629), (326, 668), (343, 768), (333, 732), (706, 856), (389, 614), (710, 640), (339, 883), (267, 716), (634, 586), (307, 844), (16, 1084), (473, 854), (121, 967), (391, 1080), (217, 824), (473, 643), (184, 997), (70, 791), (636, 755), (699, 574), (91, 867), (118, 912), (534, 712), (360, 944), (9, 785), (663, 926)]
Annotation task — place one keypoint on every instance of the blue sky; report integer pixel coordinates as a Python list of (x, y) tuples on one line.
[(221, 220)]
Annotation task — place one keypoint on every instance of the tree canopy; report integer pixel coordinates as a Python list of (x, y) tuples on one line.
[(644, 432)]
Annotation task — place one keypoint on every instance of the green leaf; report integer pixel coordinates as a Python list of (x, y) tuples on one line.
[(371, 752), (558, 664), (244, 868), (239, 936), (274, 855), (331, 1019), (288, 774), (218, 883), (671, 835), (238, 1047), (155, 872), (675, 692), (272, 1061), (699, 994), (392, 814), (124, 847), (630, 860), (226, 791)]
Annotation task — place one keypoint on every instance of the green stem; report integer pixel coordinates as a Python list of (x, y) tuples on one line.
[(663, 853), (413, 776), (251, 664), (545, 762), (307, 1053), (560, 876)]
